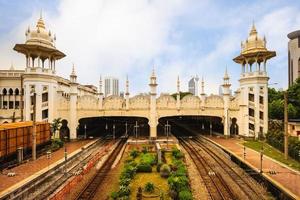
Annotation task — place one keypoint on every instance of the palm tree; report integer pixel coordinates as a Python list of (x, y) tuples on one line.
[(55, 125)]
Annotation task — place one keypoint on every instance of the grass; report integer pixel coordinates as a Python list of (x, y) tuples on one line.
[(141, 179), (273, 153)]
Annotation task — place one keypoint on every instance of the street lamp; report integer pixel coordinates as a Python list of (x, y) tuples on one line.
[(114, 131), (66, 155), (136, 131), (210, 128), (126, 134), (84, 131), (167, 131)]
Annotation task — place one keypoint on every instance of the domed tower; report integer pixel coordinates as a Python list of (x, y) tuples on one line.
[(254, 84), (153, 114), (39, 77)]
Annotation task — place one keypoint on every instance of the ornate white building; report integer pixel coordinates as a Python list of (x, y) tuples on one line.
[(66, 98)]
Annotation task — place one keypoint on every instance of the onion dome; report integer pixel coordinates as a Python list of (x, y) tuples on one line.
[(253, 43)]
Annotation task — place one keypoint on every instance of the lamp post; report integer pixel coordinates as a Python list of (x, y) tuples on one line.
[(34, 125), (84, 131), (167, 131), (66, 155), (136, 131), (285, 125), (210, 128), (114, 132), (126, 134)]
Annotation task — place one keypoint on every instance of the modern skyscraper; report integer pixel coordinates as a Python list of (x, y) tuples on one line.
[(111, 86), (194, 86), (294, 56)]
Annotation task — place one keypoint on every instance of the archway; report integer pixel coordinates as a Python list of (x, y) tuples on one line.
[(234, 127)]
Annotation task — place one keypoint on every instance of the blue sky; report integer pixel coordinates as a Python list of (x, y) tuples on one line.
[(177, 37)]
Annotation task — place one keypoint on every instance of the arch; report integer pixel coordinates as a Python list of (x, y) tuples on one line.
[(10, 91), (17, 92), (4, 91), (234, 127)]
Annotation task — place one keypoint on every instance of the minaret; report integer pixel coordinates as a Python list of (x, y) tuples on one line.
[(226, 98), (73, 104), (40, 57), (254, 85), (153, 115), (178, 94), (100, 94), (127, 93), (202, 95)]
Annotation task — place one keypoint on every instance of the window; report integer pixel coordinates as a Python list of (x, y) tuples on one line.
[(17, 104), (251, 112), (17, 91), (11, 105), (45, 114), (261, 115), (251, 126), (251, 97), (45, 97), (261, 99)]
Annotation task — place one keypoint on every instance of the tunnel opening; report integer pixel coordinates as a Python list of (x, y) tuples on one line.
[(113, 126), (205, 125)]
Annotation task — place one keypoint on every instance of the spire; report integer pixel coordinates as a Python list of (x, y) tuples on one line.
[(73, 70), (127, 86), (178, 85), (253, 29), (100, 85), (202, 86), (40, 24), (226, 77), (73, 77), (153, 72), (12, 66)]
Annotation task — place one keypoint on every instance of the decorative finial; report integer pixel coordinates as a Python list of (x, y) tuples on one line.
[(73, 70), (12, 66), (202, 86), (253, 29), (41, 14), (178, 84)]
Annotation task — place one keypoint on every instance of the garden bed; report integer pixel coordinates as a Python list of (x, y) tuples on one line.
[(143, 177)]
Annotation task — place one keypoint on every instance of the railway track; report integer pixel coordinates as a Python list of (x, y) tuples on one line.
[(90, 189), (241, 178), (214, 182)]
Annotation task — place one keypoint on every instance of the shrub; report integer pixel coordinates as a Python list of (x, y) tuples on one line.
[(176, 153), (178, 183), (124, 181), (181, 171), (158, 166), (185, 195), (165, 170), (144, 167), (144, 150), (114, 195), (149, 187), (124, 191), (134, 153), (148, 159)]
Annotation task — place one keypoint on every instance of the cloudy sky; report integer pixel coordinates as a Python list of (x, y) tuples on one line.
[(130, 37)]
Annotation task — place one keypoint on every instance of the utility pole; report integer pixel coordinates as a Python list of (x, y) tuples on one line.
[(34, 128), (286, 136), (167, 131), (136, 131)]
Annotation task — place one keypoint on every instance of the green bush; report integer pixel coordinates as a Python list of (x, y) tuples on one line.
[(149, 187), (181, 171), (56, 144), (148, 159), (114, 195), (144, 167), (144, 150), (177, 154), (134, 153), (165, 170), (185, 195), (178, 183), (124, 191)]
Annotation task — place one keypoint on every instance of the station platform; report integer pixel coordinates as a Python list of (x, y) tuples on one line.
[(288, 179), (31, 168)]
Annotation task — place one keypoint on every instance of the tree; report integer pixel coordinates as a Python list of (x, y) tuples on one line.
[(55, 125), (276, 109), (181, 94)]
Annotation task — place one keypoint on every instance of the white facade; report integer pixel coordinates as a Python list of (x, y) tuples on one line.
[(294, 56)]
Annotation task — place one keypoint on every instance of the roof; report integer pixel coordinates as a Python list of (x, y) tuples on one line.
[(294, 34), (18, 125)]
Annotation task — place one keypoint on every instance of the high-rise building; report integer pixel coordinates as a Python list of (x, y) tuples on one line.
[(111, 86), (194, 86), (294, 56)]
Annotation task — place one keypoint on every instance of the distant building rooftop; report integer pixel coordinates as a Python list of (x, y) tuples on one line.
[(294, 34)]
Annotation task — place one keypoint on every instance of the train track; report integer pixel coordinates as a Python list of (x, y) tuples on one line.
[(214, 182), (243, 180), (90, 189)]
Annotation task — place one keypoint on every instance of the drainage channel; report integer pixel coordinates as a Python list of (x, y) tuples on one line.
[(47, 182)]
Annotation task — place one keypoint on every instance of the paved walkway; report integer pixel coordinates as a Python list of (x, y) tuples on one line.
[(27, 169), (285, 177)]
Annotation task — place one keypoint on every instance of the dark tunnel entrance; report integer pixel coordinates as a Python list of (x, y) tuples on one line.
[(200, 124), (102, 126)]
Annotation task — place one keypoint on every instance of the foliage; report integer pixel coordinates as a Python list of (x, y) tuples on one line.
[(124, 191), (181, 94), (276, 109), (134, 153), (144, 167), (55, 125), (148, 158), (114, 195), (144, 150), (149, 187), (158, 166), (56, 144), (177, 154), (185, 195), (165, 170)]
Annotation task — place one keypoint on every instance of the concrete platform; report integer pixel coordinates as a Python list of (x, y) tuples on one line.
[(28, 171), (288, 179)]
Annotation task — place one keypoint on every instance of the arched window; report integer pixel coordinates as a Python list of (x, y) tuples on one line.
[(17, 91), (4, 91), (11, 91)]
